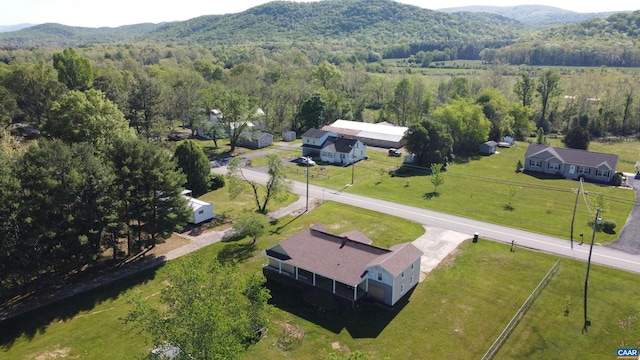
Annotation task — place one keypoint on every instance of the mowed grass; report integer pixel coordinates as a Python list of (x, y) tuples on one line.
[(613, 307), (89, 326), (479, 188), (456, 312)]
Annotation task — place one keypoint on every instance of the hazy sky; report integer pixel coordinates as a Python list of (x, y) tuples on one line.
[(92, 13)]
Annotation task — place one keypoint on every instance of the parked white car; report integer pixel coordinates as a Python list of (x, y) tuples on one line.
[(305, 161)]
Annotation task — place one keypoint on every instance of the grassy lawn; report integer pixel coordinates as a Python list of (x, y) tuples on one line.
[(457, 312), (479, 188), (613, 309)]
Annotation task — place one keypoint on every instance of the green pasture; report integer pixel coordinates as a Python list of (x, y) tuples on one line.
[(552, 329), (481, 188), (456, 312)]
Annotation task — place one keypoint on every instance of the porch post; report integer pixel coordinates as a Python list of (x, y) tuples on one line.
[(279, 267), (314, 279), (296, 273), (334, 285), (355, 292)]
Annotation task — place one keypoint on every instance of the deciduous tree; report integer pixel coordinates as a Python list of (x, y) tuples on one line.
[(467, 124), (277, 186), (251, 224), (208, 311), (437, 178), (74, 70), (547, 89), (524, 89), (86, 116), (430, 141)]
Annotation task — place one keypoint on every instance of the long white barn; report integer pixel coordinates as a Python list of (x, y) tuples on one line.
[(382, 134)]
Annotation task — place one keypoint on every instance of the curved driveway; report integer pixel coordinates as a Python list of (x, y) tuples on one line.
[(602, 255)]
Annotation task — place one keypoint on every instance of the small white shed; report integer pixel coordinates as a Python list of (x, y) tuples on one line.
[(288, 135), (200, 210)]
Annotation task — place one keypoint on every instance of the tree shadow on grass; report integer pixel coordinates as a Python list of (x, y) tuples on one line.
[(281, 227), (367, 320), (431, 195), (509, 207), (33, 322), (236, 252)]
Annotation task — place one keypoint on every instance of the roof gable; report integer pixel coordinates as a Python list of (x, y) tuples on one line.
[(343, 258), (400, 257), (573, 156)]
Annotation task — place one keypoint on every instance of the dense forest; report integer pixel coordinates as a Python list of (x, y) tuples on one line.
[(85, 128)]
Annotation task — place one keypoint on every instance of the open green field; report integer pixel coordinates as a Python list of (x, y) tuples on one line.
[(457, 312), (613, 307), (479, 188)]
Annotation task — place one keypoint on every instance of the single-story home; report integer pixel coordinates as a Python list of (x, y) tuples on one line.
[(383, 134), (200, 210), (255, 139), (488, 148), (571, 163), (331, 148), (347, 265)]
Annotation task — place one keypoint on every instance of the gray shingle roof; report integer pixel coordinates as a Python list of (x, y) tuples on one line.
[(314, 133), (573, 156)]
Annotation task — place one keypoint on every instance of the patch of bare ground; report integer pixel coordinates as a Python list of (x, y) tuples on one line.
[(448, 261), (56, 353), (174, 242)]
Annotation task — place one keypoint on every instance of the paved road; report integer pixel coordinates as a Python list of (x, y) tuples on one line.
[(601, 255)]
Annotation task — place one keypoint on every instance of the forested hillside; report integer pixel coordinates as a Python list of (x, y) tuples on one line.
[(376, 25), (534, 16), (62, 35), (610, 42), (369, 30)]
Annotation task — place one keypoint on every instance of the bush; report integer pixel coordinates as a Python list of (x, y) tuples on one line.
[(608, 226), (216, 181), (617, 179)]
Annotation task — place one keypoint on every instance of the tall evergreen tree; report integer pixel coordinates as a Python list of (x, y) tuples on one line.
[(193, 162)]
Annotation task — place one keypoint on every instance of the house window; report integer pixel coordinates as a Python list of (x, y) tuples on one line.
[(553, 166), (583, 170), (411, 283), (403, 274), (379, 276), (412, 265), (604, 173), (536, 163), (401, 288), (201, 212)]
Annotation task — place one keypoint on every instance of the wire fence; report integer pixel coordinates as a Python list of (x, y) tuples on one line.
[(518, 316)]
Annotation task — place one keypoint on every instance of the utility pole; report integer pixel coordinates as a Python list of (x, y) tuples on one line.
[(575, 207), (307, 171), (596, 222)]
